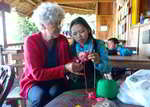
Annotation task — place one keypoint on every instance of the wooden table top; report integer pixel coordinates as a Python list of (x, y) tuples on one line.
[(135, 61), (130, 58), (78, 97)]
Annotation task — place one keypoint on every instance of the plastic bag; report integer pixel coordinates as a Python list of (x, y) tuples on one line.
[(139, 82), (124, 95), (137, 87)]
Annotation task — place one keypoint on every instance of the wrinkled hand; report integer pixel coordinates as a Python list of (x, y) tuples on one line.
[(74, 67), (94, 57)]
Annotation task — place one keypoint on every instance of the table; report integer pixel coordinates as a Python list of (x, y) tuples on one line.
[(75, 97), (135, 62)]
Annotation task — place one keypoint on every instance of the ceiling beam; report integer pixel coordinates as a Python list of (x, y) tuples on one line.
[(106, 0), (31, 2), (70, 1), (68, 8), (77, 1)]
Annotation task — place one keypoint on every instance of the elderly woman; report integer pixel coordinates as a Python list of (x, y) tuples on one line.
[(91, 53), (46, 58)]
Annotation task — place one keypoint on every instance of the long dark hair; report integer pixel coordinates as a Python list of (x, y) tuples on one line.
[(83, 22)]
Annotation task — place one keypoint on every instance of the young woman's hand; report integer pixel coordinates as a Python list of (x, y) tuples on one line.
[(74, 67), (83, 56), (94, 57)]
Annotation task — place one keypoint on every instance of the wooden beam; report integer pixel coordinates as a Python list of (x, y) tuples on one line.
[(77, 9), (73, 11), (4, 28), (107, 15), (70, 1), (106, 0), (77, 1), (31, 2)]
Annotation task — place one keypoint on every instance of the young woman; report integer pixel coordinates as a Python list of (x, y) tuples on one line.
[(91, 53)]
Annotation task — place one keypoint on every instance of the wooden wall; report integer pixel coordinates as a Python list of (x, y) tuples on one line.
[(104, 20), (105, 16), (144, 6)]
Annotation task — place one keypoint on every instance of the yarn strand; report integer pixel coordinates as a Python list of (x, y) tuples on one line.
[(94, 77), (85, 79)]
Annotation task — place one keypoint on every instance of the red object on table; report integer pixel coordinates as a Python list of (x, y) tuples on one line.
[(92, 95)]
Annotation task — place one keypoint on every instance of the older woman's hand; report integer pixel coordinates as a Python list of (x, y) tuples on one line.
[(94, 57), (74, 67)]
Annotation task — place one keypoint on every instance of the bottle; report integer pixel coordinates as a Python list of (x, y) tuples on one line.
[(141, 18)]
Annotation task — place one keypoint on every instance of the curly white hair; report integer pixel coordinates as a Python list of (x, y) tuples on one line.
[(48, 13)]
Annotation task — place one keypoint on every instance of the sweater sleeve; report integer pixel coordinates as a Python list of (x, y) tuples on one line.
[(35, 63)]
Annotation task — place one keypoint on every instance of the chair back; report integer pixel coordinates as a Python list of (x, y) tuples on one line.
[(7, 76)]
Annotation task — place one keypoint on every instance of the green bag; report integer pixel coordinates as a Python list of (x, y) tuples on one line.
[(107, 89)]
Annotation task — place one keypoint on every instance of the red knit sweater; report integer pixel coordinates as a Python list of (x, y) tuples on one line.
[(34, 56)]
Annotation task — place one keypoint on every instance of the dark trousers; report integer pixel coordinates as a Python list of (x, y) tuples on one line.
[(43, 92)]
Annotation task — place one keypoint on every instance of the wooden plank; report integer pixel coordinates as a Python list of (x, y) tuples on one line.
[(4, 28), (18, 57), (11, 51), (106, 0), (135, 61), (31, 2), (15, 94), (68, 8), (1, 56), (105, 8), (77, 1), (70, 1)]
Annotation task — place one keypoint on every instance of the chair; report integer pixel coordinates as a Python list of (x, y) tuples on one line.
[(14, 99), (7, 76)]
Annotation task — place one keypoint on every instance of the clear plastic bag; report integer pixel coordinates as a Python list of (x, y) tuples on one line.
[(137, 87), (124, 95)]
